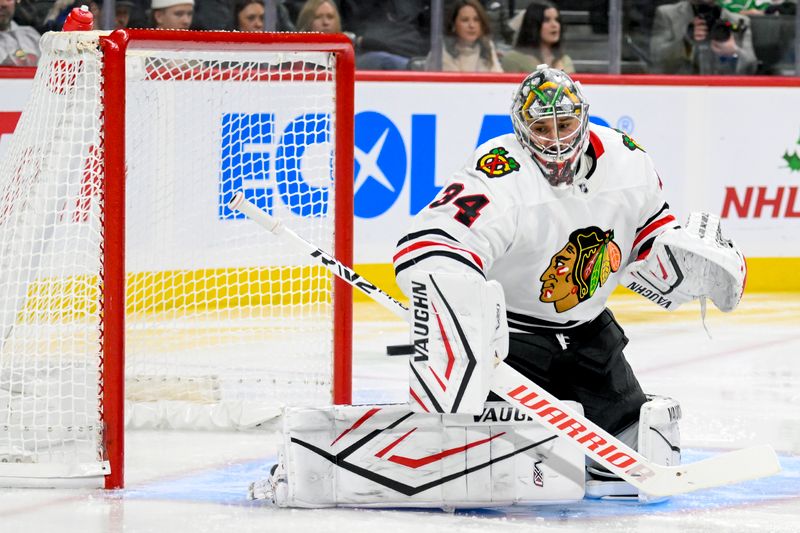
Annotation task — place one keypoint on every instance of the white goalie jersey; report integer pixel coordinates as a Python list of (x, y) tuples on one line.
[(557, 252)]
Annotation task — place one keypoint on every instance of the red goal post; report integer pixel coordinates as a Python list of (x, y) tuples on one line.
[(244, 295)]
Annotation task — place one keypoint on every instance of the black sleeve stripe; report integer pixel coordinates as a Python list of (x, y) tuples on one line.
[(646, 246), (451, 255), (424, 233), (652, 218)]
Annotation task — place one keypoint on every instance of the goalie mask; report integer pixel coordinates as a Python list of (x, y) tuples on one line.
[(551, 120)]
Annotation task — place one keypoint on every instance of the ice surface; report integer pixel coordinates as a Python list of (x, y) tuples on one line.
[(738, 388)]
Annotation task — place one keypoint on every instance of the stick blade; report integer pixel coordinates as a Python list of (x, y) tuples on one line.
[(724, 469)]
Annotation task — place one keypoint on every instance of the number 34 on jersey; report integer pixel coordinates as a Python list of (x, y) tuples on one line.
[(469, 205)]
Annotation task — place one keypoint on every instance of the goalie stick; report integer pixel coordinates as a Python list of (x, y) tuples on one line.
[(519, 391)]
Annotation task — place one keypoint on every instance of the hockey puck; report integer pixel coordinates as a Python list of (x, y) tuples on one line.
[(400, 349)]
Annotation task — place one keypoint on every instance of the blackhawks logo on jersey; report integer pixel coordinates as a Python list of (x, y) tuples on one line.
[(580, 267), (629, 143), (497, 163)]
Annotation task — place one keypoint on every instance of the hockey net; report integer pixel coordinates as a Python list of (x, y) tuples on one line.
[(220, 323)]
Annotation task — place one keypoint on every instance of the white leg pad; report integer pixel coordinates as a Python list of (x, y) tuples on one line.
[(388, 456), (459, 330), (659, 433), (659, 440)]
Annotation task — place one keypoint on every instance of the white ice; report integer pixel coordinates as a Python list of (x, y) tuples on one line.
[(738, 388)]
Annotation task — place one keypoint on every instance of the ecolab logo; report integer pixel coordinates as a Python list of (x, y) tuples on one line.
[(765, 202)]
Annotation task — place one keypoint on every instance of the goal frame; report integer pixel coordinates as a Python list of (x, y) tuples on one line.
[(114, 47)]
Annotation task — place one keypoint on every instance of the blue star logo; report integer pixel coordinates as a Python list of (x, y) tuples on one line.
[(380, 164)]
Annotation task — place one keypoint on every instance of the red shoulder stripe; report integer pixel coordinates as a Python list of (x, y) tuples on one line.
[(433, 244), (596, 144), (651, 228)]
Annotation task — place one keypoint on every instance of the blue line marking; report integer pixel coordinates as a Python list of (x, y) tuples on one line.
[(225, 485), (228, 486)]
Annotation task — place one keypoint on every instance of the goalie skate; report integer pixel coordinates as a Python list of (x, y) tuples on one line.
[(274, 485)]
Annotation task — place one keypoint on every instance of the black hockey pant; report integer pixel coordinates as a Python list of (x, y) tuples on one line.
[(584, 364)]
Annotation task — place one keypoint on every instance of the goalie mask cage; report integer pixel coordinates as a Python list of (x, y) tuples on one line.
[(129, 292)]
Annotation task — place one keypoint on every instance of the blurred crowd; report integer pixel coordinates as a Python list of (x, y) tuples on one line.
[(658, 36)]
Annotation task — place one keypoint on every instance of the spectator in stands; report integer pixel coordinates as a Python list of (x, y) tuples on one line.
[(468, 46), (248, 15), (772, 24), (538, 41), (19, 45), (32, 13), (387, 33), (122, 12), (140, 14), (759, 7), (172, 14), (221, 15), (57, 14), (214, 15), (699, 37), (319, 15)]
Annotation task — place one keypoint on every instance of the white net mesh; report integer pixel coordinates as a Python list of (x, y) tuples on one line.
[(51, 266), (224, 322)]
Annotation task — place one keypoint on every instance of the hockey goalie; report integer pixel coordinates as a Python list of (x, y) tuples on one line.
[(514, 261)]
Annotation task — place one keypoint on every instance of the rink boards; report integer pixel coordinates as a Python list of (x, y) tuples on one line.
[(707, 137)]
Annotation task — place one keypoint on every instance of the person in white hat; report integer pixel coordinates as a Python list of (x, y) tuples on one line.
[(172, 14)]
